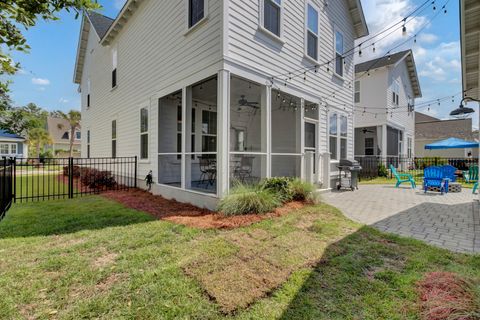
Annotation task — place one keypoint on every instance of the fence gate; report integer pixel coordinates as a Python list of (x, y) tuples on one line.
[(6, 186), (39, 179)]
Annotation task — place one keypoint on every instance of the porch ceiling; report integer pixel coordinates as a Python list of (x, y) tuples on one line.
[(470, 39)]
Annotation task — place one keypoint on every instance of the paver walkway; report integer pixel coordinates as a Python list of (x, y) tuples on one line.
[(451, 221)]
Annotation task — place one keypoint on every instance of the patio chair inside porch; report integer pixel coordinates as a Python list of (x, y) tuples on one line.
[(434, 177), (402, 177)]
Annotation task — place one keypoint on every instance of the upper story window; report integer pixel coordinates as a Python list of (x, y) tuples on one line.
[(144, 133), (196, 11), (312, 32), (395, 92), (357, 91), (78, 135), (339, 50), (66, 136), (272, 16), (114, 66), (88, 93)]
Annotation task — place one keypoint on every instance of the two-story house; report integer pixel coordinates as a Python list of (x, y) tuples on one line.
[(385, 93), (207, 93)]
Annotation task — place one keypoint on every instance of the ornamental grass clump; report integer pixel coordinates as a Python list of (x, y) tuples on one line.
[(301, 190), (248, 199)]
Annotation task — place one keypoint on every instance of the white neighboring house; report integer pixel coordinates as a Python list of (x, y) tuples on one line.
[(59, 131), (186, 85), (385, 93), (12, 145)]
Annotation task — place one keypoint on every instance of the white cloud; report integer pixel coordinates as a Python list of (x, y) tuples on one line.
[(63, 100), (40, 81), (22, 72), (427, 38), (119, 4)]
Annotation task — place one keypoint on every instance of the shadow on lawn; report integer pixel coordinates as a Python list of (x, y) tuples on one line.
[(370, 275), (67, 216)]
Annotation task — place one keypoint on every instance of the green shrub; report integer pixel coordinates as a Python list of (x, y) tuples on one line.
[(301, 190), (382, 170), (245, 199), (280, 186), (422, 163)]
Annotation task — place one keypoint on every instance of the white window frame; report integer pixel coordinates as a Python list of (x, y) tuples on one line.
[(307, 31), (199, 22), (114, 138), (356, 95), (335, 31), (142, 133), (261, 20), (89, 137), (395, 92), (336, 157), (114, 53), (3, 145), (76, 135), (89, 97)]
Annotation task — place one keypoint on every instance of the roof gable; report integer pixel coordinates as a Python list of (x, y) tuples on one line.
[(5, 134), (394, 60), (358, 18)]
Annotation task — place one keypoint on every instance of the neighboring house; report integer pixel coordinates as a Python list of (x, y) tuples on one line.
[(188, 87), (385, 93), (13, 145), (59, 131), (470, 43), (429, 129)]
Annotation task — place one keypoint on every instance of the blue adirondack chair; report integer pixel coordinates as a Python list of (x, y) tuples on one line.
[(475, 187), (450, 172), (435, 177), (402, 178)]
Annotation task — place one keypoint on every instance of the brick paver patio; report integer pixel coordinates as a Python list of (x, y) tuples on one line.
[(450, 221)]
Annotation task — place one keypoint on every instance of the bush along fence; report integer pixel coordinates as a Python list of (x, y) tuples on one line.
[(374, 167), (41, 179), (6, 186)]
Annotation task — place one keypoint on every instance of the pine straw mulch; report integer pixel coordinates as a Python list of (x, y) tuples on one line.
[(189, 215), (445, 296)]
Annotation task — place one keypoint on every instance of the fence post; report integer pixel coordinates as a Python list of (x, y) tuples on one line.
[(14, 177), (70, 178), (135, 174)]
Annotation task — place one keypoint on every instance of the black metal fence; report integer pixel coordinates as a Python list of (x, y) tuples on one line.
[(373, 167), (41, 179), (6, 186)]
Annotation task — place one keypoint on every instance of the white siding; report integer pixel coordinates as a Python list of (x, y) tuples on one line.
[(154, 52)]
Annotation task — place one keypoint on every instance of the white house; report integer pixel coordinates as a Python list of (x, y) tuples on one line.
[(12, 145), (209, 92), (470, 45), (385, 93)]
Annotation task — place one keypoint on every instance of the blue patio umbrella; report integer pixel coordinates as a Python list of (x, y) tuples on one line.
[(452, 143)]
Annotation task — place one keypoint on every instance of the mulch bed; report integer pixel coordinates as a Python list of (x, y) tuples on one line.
[(444, 296), (189, 215)]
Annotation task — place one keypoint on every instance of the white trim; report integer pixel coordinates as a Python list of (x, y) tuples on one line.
[(335, 30), (146, 106), (261, 21), (307, 30), (188, 29)]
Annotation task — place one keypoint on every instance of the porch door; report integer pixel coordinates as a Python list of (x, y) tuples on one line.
[(311, 151)]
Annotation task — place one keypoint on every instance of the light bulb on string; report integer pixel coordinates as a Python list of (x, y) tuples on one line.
[(360, 50), (373, 44), (404, 28)]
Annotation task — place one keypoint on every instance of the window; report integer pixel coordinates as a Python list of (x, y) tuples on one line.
[(409, 146), (192, 141), (88, 93), (338, 131), (357, 91), (114, 138), (65, 136), (209, 131), (400, 143), (179, 131), (343, 136), (339, 53), (114, 67), (333, 135), (395, 92), (13, 148), (312, 32), (196, 12), (4, 148), (88, 143), (369, 147), (144, 133), (78, 135), (272, 10)]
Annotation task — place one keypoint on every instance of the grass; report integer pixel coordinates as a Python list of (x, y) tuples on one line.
[(93, 258), (40, 185)]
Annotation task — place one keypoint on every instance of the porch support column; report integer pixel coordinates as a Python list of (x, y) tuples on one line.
[(223, 133), (303, 174), (184, 127), (187, 134), (266, 106), (384, 141)]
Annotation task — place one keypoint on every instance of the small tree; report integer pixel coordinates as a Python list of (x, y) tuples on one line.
[(38, 137), (74, 118)]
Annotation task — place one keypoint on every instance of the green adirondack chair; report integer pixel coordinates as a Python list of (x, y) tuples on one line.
[(471, 175), (403, 178), (475, 187)]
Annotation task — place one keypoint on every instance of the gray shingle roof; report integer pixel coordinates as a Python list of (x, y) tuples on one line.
[(380, 62), (443, 129), (100, 22)]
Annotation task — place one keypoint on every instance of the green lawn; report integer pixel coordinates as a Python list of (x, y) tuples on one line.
[(92, 258), (41, 185)]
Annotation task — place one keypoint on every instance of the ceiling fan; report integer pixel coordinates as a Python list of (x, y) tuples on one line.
[(365, 130), (245, 103)]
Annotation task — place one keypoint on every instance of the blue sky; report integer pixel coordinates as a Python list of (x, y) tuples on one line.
[(47, 71)]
